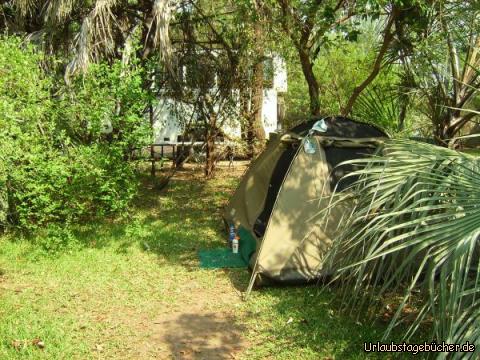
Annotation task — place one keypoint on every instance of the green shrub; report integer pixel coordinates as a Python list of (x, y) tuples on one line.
[(65, 150), (55, 238)]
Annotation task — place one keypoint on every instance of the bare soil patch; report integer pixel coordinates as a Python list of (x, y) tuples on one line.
[(203, 325)]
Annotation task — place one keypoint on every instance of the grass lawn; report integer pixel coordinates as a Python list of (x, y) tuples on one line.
[(132, 289)]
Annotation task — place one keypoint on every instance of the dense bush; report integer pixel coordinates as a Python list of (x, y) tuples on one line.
[(65, 150)]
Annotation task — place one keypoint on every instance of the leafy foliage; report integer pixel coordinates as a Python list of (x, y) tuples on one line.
[(415, 228), (355, 58), (65, 157), (379, 104)]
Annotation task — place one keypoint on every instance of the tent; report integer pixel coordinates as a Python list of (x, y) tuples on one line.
[(276, 205)]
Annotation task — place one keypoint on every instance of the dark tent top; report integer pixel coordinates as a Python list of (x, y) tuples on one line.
[(338, 126)]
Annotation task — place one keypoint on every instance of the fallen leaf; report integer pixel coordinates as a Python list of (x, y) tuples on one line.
[(38, 343), (17, 344)]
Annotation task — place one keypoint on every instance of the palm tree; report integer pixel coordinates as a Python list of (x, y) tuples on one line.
[(87, 31), (415, 230), (443, 67)]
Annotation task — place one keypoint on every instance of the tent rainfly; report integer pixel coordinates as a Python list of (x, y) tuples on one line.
[(276, 206)]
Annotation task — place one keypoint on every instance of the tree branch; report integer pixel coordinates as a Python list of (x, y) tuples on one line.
[(286, 15), (462, 121), (387, 39)]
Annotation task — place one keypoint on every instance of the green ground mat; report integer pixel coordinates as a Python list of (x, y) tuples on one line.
[(247, 245), (220, 258)]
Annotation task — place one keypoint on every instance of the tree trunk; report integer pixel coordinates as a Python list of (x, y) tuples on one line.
[(210, 135), (313, 88), (407, 83), (210, 160), (403, 114), (244, 110), (152, 148), (444, 130), (255, 131)]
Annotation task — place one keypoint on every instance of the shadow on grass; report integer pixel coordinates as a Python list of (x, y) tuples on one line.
[(174, 222), (201, 336), (307, 320), (187, 218)]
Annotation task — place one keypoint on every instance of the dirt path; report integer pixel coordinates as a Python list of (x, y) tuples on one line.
[(203, 324), (195, 332)]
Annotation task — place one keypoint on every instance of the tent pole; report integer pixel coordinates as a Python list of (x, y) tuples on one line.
[(250, 286)]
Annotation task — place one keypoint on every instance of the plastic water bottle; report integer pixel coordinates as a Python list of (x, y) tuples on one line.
[(231, 235), (235, 245)]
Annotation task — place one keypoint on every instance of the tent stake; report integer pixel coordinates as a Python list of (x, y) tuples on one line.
[(250, 286)]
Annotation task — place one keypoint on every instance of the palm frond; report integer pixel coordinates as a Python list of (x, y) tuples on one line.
[(415, 227), (95, 36), (382, 105), (56, 11), (162, 14), (25, 7)]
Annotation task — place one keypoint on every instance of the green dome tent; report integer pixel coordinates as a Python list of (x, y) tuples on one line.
[(276, 205)]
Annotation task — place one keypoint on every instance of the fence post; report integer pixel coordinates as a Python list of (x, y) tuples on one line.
[(161, 154), (152, 147)]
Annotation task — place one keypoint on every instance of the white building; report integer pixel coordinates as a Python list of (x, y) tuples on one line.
[(168, 127)]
